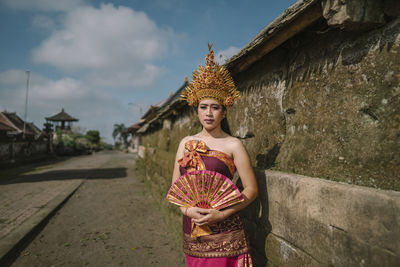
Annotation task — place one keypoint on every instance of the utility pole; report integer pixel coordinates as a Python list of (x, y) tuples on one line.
[(26, 102)]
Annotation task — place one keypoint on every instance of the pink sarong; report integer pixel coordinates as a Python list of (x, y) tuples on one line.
[(243, 260)]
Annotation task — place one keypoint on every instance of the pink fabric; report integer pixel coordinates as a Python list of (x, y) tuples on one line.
[(243, 260)]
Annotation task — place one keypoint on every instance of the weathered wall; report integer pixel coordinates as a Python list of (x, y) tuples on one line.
[(323, 104), (4, 151), (326, 104), (303, 221), (22, 149)]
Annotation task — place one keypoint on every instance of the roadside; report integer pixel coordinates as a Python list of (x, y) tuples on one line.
[(111, 220)]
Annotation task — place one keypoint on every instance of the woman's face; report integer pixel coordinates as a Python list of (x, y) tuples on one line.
[(210, 113)]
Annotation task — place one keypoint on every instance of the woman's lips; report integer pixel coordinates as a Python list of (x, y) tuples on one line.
[(209, 121)]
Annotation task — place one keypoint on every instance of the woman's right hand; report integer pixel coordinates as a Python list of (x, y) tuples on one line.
[(194, 212)]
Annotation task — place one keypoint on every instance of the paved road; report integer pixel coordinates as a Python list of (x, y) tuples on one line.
[(110, 220)]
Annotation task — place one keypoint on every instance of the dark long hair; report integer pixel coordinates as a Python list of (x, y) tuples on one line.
[(225, 124)]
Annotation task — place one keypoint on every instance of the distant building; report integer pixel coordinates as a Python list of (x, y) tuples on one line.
[(62, 120), (19, 140), (134, 143), (5, 128), (13, 126)]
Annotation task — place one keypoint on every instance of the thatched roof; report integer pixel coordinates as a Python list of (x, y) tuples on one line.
[(31, 126), (11, 119), (62, 116), (164, 109), (5, 124), (133, 128), (5, 127), (292, 21)]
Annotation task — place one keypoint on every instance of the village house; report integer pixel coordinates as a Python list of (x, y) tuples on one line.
[(135, 139), (319, 116), (19, 140)]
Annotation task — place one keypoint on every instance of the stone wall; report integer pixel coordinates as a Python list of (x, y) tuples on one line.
[(326, 104), (320, 117), (304, 221), (4, 151), (21, 150)]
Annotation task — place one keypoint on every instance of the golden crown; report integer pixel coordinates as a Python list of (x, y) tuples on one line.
[(213, 81)]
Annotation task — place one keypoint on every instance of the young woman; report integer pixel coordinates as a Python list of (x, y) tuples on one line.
[(212, 90)]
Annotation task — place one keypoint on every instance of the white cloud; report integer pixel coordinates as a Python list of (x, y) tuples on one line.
[(223, 55), (44, 22), (116, 41), (43, 5), (94, 108), (42, 90)]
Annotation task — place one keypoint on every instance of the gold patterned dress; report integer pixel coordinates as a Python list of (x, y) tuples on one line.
[(227, 245)]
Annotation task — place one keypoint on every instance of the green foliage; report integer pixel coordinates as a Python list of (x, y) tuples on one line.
[(77, 143), (93, 136), (120, 133)]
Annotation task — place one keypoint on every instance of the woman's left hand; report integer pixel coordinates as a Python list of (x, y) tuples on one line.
[(210, 216)]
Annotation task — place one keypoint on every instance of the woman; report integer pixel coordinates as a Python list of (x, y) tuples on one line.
[(212, 90)]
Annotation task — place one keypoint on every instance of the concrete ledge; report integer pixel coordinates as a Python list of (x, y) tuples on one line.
[(11, 243), (331, 223), (284, 254)]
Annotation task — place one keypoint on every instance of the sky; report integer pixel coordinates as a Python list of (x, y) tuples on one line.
[(106, 62)]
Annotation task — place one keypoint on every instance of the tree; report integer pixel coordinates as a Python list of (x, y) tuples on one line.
[(93, 136), (121, 133)]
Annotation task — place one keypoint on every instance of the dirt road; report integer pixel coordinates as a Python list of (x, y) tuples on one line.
[(111, 220)]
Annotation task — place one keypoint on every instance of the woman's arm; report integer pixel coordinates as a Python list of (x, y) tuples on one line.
[(179, 154), (250, 189), (193, 212)]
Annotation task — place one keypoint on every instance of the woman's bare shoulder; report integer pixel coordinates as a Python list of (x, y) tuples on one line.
[(235, 145), (186, 139), (234, 142)]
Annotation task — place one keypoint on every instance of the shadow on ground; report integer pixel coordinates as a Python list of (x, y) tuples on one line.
[(97, 173), (14, 170)]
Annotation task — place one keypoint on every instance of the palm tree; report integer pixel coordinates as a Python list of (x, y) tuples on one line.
[(120, 132)]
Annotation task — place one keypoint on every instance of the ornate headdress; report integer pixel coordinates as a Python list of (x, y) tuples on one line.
[(213, 81)]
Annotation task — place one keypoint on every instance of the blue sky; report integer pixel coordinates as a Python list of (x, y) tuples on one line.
[(106, 62)]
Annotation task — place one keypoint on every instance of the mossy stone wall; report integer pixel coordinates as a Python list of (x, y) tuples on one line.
[(326, 104)]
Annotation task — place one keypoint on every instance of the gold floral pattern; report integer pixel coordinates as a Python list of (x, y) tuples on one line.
[(192, 159), (234, 222), (211, 82), (228, 244), (246, 261)]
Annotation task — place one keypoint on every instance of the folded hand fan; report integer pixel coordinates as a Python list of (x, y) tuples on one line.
[(204, 189)]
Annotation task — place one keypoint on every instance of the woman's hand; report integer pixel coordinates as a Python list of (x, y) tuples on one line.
[(208, 216), (194, 212)]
